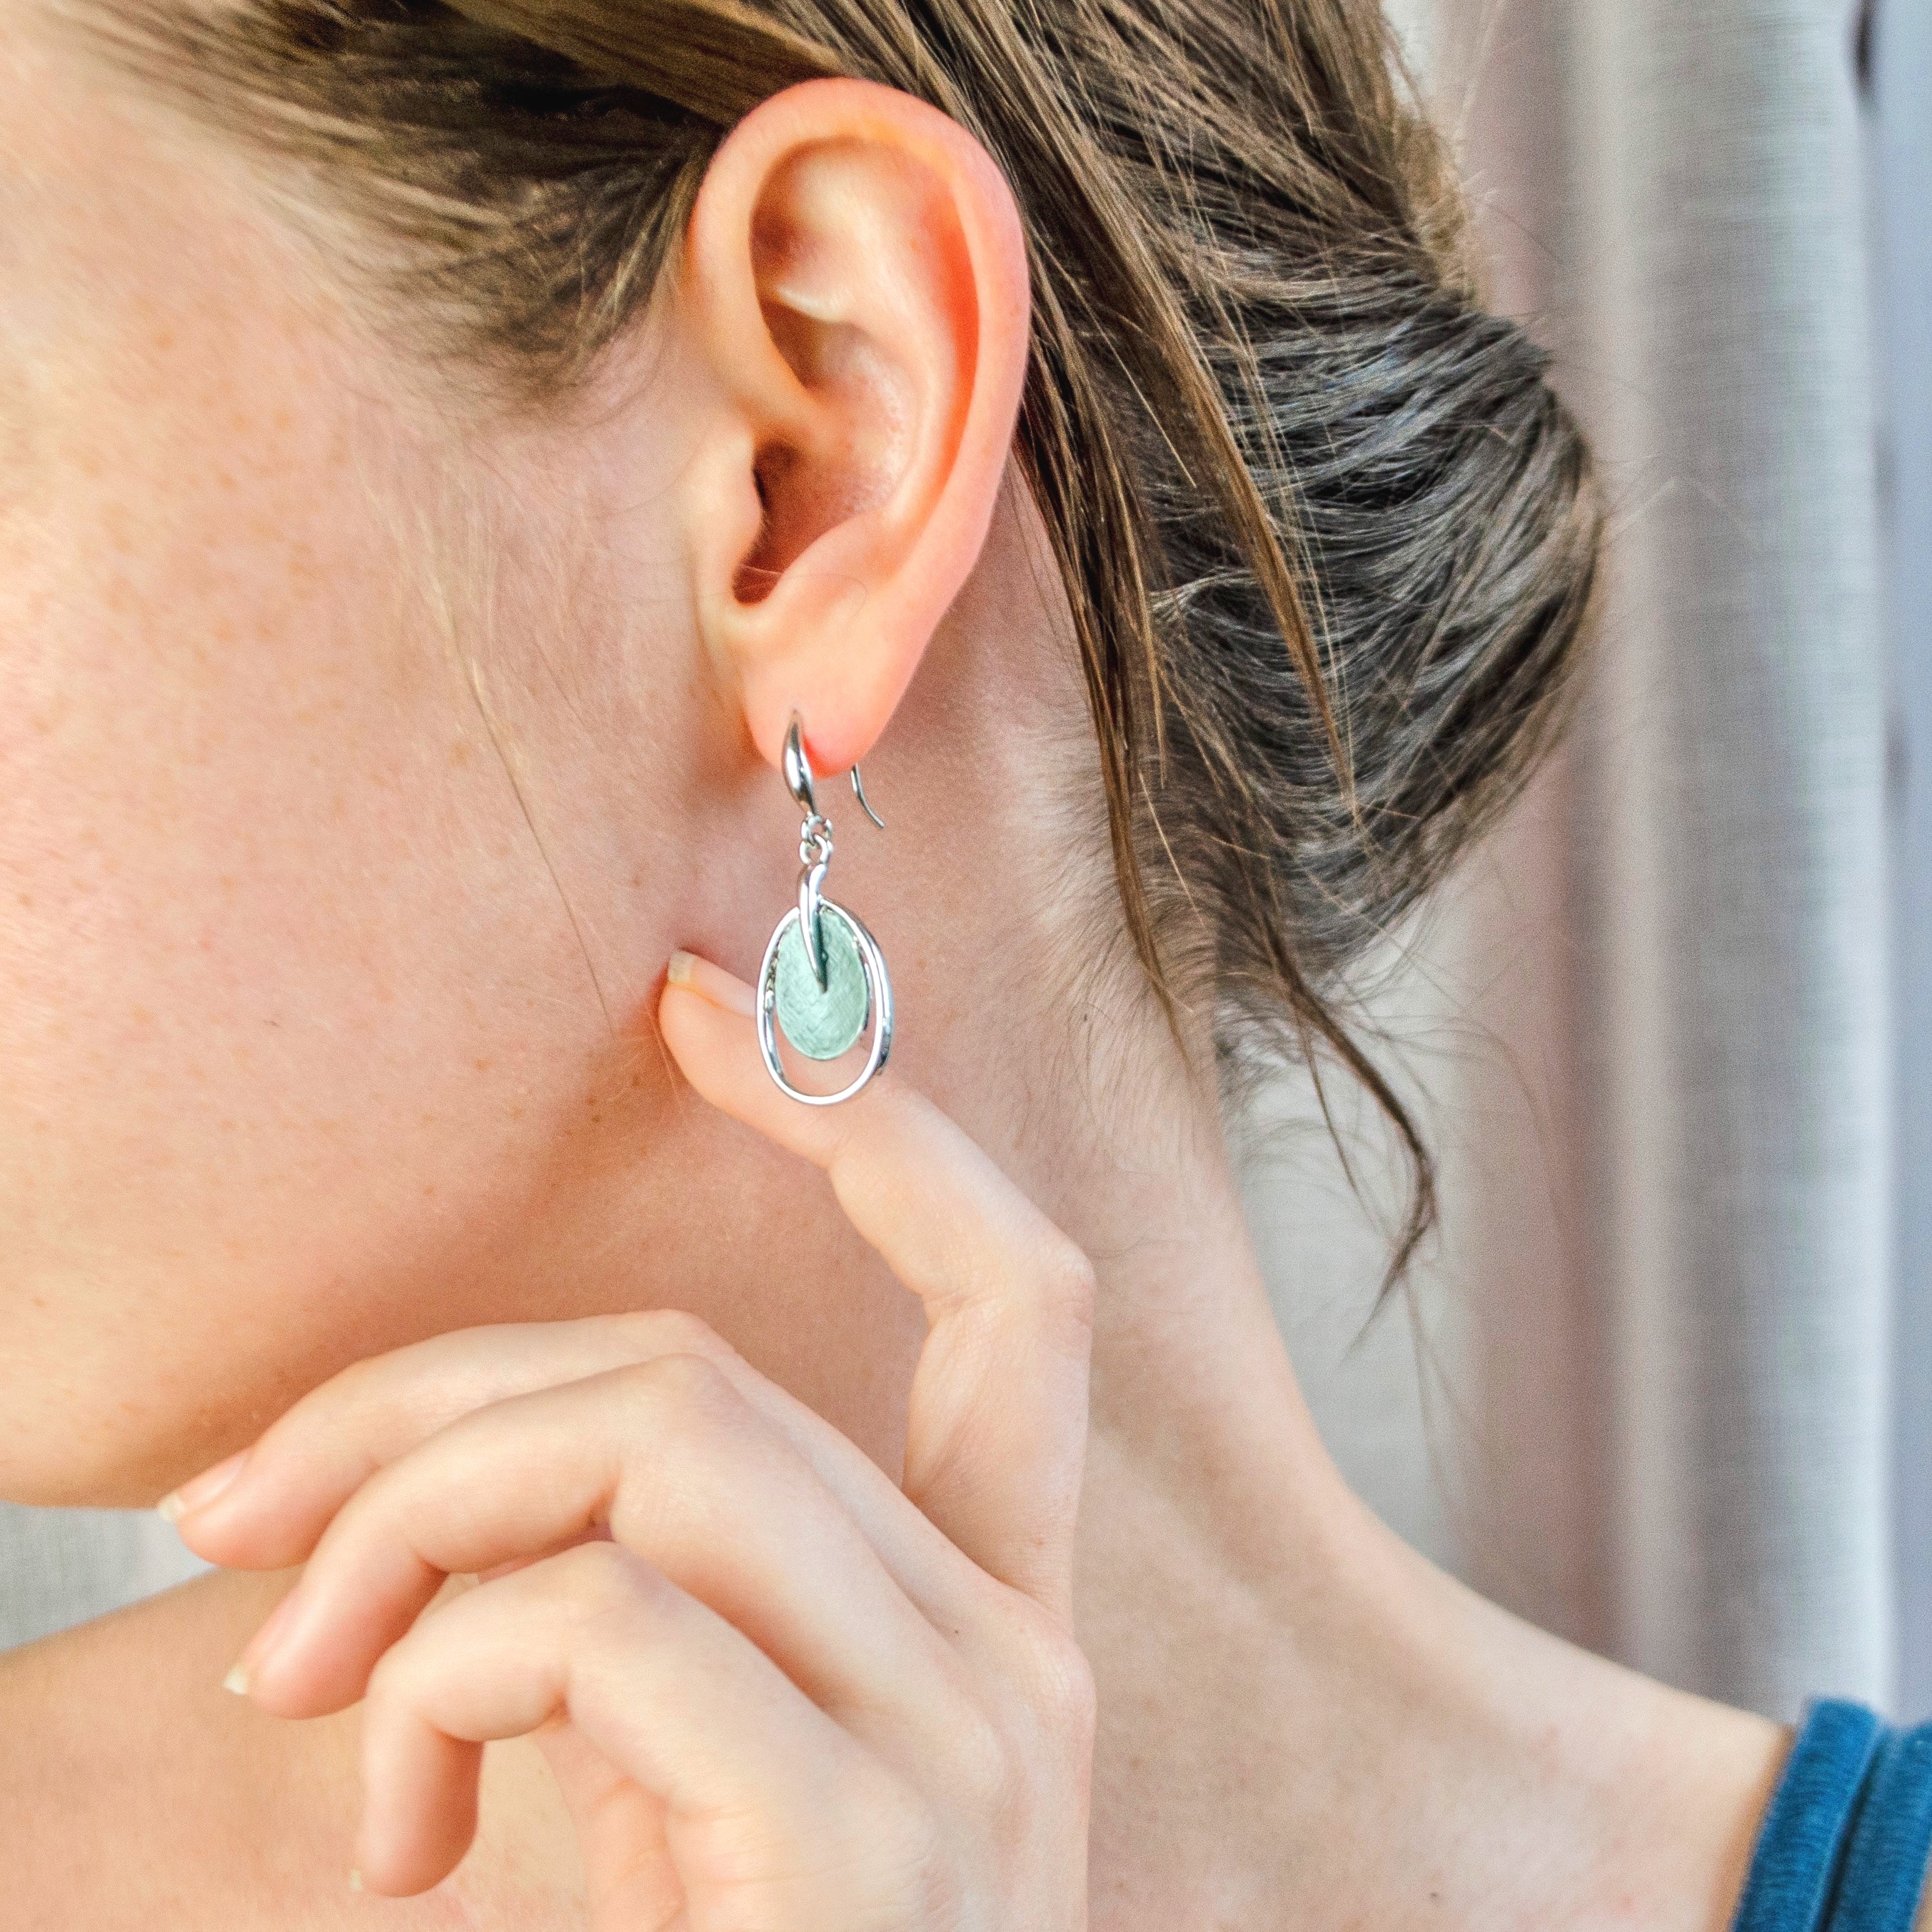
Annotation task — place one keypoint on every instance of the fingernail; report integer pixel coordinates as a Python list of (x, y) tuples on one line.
[(711, 982), (261, 1645), (203, 1490)]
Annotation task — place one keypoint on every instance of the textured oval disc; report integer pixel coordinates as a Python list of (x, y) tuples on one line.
[(822, 1025)]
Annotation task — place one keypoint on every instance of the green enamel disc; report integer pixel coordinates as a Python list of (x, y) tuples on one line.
[(822, 1025)]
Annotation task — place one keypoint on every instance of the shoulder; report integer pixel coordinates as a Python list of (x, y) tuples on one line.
[(130, 1792), (138, 1797), (57, 1793)]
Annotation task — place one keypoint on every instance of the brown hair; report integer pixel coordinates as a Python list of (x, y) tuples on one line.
[(1327, 534)]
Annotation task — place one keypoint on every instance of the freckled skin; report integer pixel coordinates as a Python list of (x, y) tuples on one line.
[(301, 1054), (360, 765)]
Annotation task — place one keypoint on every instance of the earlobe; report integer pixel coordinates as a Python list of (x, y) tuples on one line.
[(856, 277)]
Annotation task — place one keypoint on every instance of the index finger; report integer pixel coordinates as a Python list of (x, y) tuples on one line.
[(996, 1434)]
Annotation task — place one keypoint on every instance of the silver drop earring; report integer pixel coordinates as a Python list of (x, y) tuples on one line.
[(824, 979)]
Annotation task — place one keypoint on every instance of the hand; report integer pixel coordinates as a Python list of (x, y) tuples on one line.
[(779, 1692)]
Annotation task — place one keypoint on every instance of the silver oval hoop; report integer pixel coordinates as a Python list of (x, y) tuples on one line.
[(878, 987)]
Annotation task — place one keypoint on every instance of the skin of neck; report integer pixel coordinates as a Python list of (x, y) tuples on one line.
[(1301, 1721)]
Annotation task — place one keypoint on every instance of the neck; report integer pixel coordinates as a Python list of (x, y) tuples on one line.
[(1301, 1721)]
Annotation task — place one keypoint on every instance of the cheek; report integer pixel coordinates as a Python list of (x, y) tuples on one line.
[(283, 998)]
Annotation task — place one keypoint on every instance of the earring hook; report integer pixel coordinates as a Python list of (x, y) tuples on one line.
[(797, 768), (865, 803), (799, 778)]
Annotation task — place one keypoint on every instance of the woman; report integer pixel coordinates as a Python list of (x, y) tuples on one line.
[(464, 467)]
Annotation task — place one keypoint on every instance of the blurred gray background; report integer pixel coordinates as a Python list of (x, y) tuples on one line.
[(1665, 1384)]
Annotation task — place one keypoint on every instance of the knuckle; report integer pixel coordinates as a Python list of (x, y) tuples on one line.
[(676, 1331), (1067, 1282), (1071, 1700), (984, 1766), (595, 1580), (396, 1682), (681, 1384), (1056, 1682), (360, 1396), (354, 1379)]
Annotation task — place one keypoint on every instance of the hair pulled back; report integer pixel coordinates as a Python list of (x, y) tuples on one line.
[(1327, 534)]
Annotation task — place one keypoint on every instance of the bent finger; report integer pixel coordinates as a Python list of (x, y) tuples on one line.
[(683, 1472), (272, 1510), (997, 1428), (768, 1799)]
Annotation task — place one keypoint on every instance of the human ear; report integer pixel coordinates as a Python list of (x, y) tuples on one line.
[(856, 278)]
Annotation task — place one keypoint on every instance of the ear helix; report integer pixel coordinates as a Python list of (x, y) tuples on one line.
[(823, 981)]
